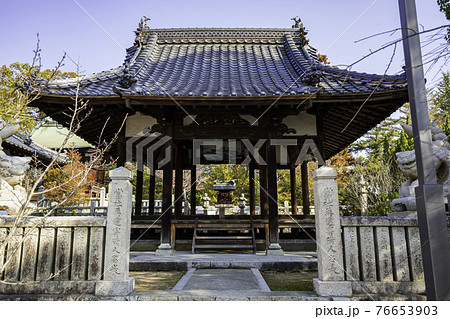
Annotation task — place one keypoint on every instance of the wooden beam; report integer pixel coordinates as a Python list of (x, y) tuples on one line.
[(273, 195), (138, 193), (151, 192), (193, 189), (166, 218), (178, 181), (251, 187), (320, 134), (121, 148), (293, 182), (263, 197), (305, 188)]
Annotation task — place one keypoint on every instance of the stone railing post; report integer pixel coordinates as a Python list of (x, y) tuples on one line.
[(117, 243), (330, 259), (102, 197)]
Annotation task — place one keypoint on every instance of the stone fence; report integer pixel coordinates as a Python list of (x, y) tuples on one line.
[(62, 255), (382, 255), (363, 255), (54, 252)]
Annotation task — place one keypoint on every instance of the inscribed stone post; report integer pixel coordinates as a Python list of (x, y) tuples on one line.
[(118, 224), (331, 281)]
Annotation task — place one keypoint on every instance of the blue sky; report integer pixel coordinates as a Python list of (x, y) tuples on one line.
[(64, 27)]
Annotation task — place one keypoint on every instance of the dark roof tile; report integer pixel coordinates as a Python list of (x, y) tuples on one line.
[(223, 62)]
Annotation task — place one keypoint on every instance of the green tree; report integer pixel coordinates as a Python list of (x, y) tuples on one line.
[(444, 7), (377, 166), (19, 84), (440, 103), (343, 162), (224, 172)]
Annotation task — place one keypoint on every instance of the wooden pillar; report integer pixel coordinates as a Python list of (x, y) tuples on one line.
[(274, 246), (151, 192), (263, 197), (139, 187), (178, 182), (193, 189), (166, 202), (320, 138), (165, 247), (305, 188), (121, 148), (293, 181), (251, 186)]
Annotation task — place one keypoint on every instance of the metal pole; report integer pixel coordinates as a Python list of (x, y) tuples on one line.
[(429, 195)]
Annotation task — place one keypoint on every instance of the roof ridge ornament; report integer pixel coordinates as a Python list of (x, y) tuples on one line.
[(143, 24), (312, 78), (298, 24), (141, 37), (127, 79)]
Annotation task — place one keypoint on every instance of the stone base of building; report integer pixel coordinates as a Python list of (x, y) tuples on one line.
[(332, 288), (164, 250), (274, 250), (114, 288)]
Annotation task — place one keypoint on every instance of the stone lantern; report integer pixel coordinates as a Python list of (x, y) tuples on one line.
[(205, 204), (225, 197), (242, 201)]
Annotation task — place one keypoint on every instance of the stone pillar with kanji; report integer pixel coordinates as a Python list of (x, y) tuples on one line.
[(330, 255), (116, 280)]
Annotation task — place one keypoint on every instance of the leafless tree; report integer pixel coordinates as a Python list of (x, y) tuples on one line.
[(29, 93)]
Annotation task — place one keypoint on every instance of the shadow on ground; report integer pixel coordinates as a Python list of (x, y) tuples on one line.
[(156, 280), (277, 281), (289, 280)]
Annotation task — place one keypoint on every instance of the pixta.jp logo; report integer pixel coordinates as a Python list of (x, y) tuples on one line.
[(156, 150)]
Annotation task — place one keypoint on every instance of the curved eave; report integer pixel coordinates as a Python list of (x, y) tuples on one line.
[(57, 98), (343, 97), (326, 98), (361, 97), (349, 119)]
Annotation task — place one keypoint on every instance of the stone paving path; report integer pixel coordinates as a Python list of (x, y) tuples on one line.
[(220, 276), (222, 279)]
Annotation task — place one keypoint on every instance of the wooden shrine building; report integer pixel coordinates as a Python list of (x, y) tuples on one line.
[(236, 86)]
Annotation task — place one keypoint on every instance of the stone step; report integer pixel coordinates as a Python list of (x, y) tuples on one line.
[(222, 227), (144, 261), (223, 246), (224, 237)]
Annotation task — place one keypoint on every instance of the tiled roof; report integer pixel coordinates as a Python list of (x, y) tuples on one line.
[(223, 63), (53, 135), (30, 148)]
